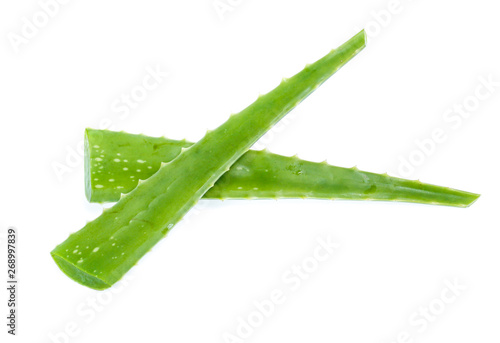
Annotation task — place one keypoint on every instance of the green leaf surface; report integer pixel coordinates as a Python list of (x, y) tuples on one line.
[(116, 161), (100, 253)]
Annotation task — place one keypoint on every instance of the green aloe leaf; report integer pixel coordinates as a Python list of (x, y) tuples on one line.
[(116, 161), (100, 253)]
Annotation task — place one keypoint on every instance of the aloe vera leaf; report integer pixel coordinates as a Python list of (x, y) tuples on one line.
[(115, 161), (100, 253)]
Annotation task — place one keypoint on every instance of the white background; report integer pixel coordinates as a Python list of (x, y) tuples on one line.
[(422, 59)]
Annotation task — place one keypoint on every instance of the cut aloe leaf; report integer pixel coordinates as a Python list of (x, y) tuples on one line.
[(115, 161), (100, 253)]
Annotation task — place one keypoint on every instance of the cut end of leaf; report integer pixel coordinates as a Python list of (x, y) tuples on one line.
[(87, 167), (362, 35), (78, 275)]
